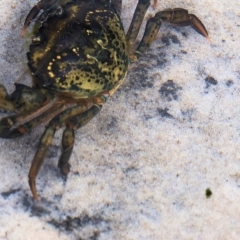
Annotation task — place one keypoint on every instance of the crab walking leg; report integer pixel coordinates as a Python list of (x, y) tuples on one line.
[(67, 147), (68, 136), (176, 16), (43, 146), (136, 23), (151, 31), (56, 123), (83, 115), (16, 129)]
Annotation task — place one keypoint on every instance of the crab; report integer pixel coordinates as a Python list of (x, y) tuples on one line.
[(78, 57)]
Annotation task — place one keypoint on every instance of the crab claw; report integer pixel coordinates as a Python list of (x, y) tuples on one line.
[(31, 15), (198, 26), (41, 5)]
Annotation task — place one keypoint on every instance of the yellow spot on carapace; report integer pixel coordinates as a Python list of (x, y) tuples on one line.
[(100, 42), (114, 56), (76, 50), (51, 74), (89, 31), (100, 10)]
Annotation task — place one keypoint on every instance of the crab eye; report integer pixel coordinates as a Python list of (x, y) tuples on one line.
[(59, 11)]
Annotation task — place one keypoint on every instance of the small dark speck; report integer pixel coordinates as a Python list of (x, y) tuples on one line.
[(39, 211), (183, 51), (53, 151), (138, 76), (147, 117), (112, 123), (229, 83), (95, 236), (78, 222), (9, 193), (210, 81), (147, 84), (161, 60), (188, 114), (130, 169), (164, 113), (165, 40), (208, 193), (184, 34), (27, 202), (169, 90), (175, 39)]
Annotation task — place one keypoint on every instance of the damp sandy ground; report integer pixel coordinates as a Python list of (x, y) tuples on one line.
[(161, 160)]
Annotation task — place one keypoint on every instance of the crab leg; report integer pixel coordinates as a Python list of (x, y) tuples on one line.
[(137, 19), (181, 17), (73, 118), (11, 128), (67, 147), (44, 144), (73, 124), (56, 123), (68, 136), (176, 16), (31, 105), (151, 31)]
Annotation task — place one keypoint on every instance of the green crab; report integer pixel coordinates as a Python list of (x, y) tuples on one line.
[(79, 56)]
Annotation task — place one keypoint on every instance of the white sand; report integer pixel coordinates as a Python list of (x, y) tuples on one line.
[(141, 168)]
